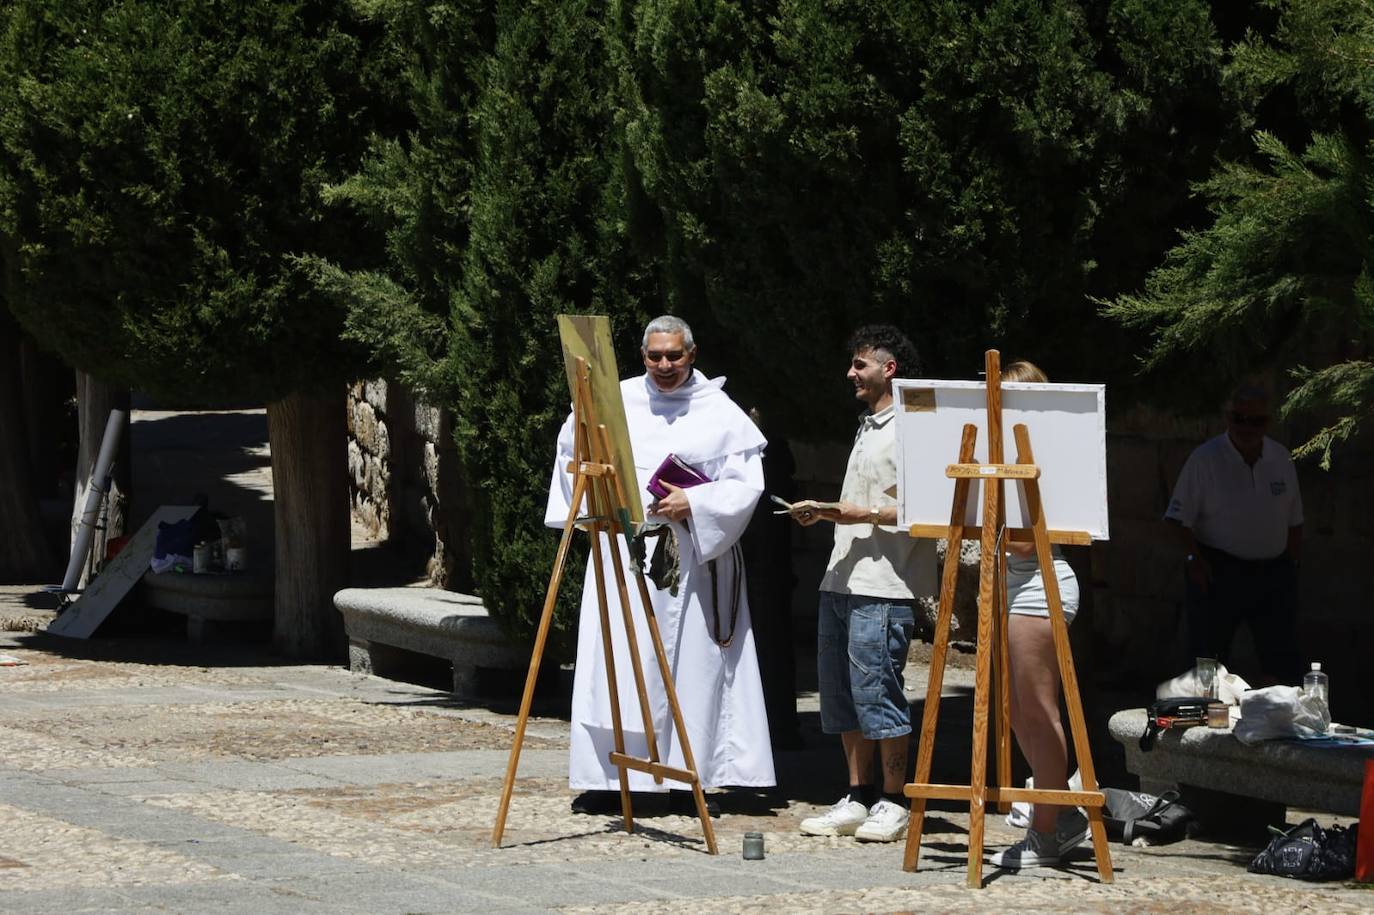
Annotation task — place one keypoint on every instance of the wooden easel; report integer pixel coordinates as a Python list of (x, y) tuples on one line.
[(594, 478), (992, 643)]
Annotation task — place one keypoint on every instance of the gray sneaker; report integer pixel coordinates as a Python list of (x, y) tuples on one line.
[(1037, 849), (1070, 830)]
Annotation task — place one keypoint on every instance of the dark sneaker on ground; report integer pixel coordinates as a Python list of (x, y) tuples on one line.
[(1037, 849), (1070, 830)]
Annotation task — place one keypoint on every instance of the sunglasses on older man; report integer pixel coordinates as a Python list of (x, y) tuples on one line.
[(1254, 420), (653, 356)]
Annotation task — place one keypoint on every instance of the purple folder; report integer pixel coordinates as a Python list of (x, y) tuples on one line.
[(676, 471)]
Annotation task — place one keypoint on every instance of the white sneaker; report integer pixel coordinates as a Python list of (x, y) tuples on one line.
[(886, 823), (840, 820)]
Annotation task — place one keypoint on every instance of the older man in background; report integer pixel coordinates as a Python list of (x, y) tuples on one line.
[(1238, 513)]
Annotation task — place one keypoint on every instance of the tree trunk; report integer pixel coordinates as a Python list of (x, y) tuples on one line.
[(25, 555), (94, 401), (310, 489)]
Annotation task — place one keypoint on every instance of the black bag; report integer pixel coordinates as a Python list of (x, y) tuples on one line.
[(1132, 814), (1175, 712), (1309, 852)]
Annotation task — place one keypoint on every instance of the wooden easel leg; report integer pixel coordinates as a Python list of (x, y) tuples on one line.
[(1002, 677), (612, 681), (679, 723), (669, 685), (930, 713), (1067, 674), (541, 637), (982, 686), (627, 616)]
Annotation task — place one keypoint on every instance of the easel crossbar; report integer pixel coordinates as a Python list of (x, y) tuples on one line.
[(995, 794), (1017, 534), (992, 472), (653, 768)]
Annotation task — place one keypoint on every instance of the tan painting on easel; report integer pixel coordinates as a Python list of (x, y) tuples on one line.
[(589, 336)]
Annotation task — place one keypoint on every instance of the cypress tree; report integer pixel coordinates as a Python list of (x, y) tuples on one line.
[(1282, 276)]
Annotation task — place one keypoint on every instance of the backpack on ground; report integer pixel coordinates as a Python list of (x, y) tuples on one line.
[(1309, 851), (1132, 815)]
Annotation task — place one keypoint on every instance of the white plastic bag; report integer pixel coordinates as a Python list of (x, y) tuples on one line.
[(1230, 688), (1280, 711)]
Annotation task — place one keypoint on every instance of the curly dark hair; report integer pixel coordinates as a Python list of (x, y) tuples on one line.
[(893, 342)]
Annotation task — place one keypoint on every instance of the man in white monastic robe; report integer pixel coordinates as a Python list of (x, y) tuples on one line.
[(674, 409)]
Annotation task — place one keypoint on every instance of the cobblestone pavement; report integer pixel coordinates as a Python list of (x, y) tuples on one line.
[(139, 775)]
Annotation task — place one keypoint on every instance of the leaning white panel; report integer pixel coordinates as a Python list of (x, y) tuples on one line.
[(1068, 434)]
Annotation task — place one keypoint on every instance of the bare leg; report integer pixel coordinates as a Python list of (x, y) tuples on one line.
[(858, 755), (1035, 709), (893, 751)]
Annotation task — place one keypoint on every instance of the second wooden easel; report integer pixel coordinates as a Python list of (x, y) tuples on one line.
[(595, 479), (992, 643)]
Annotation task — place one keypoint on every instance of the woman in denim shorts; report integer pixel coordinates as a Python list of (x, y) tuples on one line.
[(1054, 830)]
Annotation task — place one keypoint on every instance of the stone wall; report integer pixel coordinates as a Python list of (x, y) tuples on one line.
[(404, 484)]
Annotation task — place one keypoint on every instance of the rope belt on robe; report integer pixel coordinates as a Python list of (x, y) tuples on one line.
[(665, 571)]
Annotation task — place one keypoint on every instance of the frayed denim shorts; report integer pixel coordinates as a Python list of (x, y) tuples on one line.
[(861, 652)]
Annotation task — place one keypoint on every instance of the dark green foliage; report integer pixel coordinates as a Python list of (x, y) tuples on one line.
[(160, 167), (776, 173), (503, 208), (1282, 276), (969, 172), (541, 242)]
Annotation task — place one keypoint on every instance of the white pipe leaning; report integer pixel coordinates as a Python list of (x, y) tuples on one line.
[(95, 494)]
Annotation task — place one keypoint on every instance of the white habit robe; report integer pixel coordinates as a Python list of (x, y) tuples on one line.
[(719, 689)]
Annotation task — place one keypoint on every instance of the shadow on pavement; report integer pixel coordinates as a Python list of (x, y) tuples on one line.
[(160, 650)]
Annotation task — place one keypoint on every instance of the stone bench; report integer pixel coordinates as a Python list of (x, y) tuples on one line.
[(383, 624), (1220, 770), (209, 601)]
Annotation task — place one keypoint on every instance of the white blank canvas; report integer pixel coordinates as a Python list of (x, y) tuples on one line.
[(1068, 435)]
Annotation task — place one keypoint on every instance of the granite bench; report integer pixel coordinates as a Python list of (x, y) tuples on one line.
[(210, 601), (385, 624), (1213, 769)]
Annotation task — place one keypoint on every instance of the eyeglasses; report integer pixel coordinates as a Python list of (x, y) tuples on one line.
[(1256, 420), (653, 357)]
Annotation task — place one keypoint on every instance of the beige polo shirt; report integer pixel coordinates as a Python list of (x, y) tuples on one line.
[(868, 559)]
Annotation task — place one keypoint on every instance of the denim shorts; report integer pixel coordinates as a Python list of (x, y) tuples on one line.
[(861, 651)]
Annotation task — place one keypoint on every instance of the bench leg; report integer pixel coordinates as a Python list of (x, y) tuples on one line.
[(359, 656), (464, 679)]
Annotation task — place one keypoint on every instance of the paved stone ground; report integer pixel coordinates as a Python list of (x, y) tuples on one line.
[(142, 774)]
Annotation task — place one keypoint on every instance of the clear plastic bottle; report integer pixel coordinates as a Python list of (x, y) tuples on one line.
[(1315, 683)]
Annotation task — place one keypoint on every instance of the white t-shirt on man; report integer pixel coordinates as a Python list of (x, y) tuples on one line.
[(1230, 506)]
